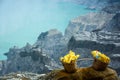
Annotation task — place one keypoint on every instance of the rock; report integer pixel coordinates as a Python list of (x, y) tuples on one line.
[(90, 22), (37, 58), (27, 59), (104, 36), (112, 8), (52, 43), (61, 74), (83, 74), (23, 76), (96, 4), (113, 25), (84, 47), (0, 65), (91, 74)]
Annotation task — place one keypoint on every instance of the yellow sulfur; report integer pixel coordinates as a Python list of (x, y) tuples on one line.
[(100, 56), (95, 53), (69, 57)]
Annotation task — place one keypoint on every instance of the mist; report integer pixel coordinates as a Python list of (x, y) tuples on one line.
[(22, 21)]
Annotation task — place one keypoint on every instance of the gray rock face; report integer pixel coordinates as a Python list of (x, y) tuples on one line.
[(27, 59), (113, 25), (40, 57), (105, 37), (92, 4), (112, 8), (23, 76), (109, 38), (1, 62), (52, 43), (97, 4), (89, 23)]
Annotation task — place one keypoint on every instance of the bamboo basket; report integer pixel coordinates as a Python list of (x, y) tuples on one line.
[(99, 66), (70, 67)]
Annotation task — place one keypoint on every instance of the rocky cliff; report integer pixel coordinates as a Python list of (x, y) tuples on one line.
[(28, 59), (0, 65), (98, 4), (23, 76), (100, 31), (88, 23), (52, 43)]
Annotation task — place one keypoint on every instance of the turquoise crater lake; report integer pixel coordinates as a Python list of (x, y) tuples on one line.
[(22, 21)]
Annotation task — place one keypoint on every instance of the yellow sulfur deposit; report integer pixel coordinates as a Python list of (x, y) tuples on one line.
[(69, 57), (100, 56)]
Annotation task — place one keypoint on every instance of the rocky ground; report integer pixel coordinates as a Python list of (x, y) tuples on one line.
[(23, 76), (30, 76)]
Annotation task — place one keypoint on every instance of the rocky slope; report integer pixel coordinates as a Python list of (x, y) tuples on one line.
[(52, 43), (101, 33), (0, 65), (28, 59), (112, 8), (97, 4), (88, 23), (23, 76), (33, 76)]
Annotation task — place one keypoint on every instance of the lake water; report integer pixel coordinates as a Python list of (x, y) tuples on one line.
[(22, 21)]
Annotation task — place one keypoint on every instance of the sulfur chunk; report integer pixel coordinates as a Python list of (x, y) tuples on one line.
[(69, 57)]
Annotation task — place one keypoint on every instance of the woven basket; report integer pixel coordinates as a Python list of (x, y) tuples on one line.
[(70, 67), (99, 66)]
